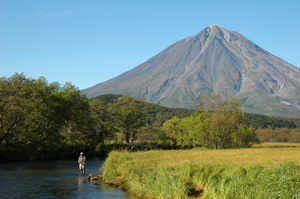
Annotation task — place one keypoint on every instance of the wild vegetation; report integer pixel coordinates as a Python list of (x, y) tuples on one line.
[(41, 120), (180, 128), (159, 114), (264, 173), (279, 135), (205, 173), (217, 123)]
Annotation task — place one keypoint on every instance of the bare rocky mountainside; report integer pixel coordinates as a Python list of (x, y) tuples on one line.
[(216, 60)]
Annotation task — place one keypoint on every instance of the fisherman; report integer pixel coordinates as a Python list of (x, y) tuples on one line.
[(81, 162)]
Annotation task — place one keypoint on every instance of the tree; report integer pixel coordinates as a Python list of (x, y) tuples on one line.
[(173, 130), (38, 117), (77, 127), (226, 121), (28, 118), (13, 107), (130, 118), (103, 120), (216, 123), (188, 132)]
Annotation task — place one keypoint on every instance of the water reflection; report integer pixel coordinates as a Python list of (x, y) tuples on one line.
[(81, 181), (53, 180)]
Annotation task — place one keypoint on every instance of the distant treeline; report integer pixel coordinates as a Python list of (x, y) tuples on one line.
[(263, 121), (218, 124), (160, 114), (279, 135), (41, 120)]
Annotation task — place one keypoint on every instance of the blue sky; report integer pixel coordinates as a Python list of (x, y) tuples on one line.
[(89, 41)]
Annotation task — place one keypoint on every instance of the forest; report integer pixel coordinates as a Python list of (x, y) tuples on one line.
[(41, 120)]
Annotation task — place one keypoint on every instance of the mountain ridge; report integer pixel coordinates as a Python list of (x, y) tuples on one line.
[(216, 60)]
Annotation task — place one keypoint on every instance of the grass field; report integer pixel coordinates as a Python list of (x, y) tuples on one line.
[(254, 173), (275, 145), (239, 157)]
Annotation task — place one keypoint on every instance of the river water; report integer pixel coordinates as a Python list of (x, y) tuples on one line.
[(53, 180)]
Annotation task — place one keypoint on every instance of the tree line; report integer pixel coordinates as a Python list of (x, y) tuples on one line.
[(217, 123), (41, 120), (272, 134), (38, 119)]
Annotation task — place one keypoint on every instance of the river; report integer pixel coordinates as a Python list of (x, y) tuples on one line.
[(53, 180)]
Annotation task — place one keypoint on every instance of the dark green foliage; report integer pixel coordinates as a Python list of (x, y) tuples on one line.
[(155, 115), (129, 122), (41, 121), (263, 121), (158, 115), (37, 118), (130, 118), (102, 120), (107, 99), (191, 125)]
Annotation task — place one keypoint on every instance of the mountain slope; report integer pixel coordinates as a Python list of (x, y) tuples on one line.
[(214, 61)]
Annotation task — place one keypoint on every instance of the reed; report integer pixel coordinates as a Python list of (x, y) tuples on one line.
[(212, 174)]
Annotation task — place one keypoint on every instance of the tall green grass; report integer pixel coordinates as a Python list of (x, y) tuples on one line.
[(189, 180)]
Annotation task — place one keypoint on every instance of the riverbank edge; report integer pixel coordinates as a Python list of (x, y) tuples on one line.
[(213, 181)]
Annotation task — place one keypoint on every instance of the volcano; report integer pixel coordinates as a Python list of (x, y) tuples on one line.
[(216, 60)]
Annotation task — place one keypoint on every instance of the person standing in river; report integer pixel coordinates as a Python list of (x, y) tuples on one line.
[(81, 162)]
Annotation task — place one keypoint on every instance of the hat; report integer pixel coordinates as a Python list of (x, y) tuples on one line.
[(81, 153)]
